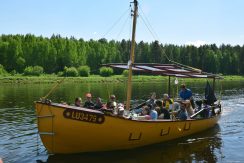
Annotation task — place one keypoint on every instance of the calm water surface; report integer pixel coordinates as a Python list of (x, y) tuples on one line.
[(20, 143)]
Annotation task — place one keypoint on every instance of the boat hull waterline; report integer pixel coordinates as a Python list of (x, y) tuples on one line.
[(68, 129)]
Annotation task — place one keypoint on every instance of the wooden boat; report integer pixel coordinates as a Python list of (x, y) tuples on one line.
[(70, 129), (67, 129)]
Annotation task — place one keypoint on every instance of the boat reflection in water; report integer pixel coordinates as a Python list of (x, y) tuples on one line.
[(205, 146)]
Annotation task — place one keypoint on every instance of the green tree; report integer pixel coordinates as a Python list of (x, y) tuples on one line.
[(14, 52), (33, 71), (156, 53), (106, 71), (70, 71), (2, 70), (84, 71)]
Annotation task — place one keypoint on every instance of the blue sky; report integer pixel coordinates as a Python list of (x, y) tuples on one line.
[(174, 21)]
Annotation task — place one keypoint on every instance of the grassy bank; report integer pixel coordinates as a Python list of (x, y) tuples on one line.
[(92, 78), (96, 79)]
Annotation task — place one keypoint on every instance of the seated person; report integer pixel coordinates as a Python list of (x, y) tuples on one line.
[(78, 101), (106, 109), (144, 115), (167, 102), (112, 104), (181, 114), (153, 114), (206, 112), (98, 105), (88, 103), (162, 112), (152, 100), (188, 107), (185, 94), (120, 109), (198, 106), (176, 106), (203, 110)]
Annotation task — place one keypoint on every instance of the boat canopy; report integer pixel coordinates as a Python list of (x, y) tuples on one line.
[(176, 70)]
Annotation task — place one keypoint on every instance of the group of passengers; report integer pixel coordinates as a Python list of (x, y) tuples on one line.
[(167, 108), (153, 108), (110, 106)]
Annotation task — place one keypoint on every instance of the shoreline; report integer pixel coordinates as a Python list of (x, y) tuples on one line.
[(45, 79)]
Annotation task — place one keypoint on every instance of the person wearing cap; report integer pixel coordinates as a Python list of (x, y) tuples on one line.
[(185, 93), (112, 102), (78, 101), (88, 103)]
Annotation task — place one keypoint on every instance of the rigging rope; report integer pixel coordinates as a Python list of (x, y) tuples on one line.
[(123, 26), (115, 23), (149, 24), (155, 36), (53, 89)]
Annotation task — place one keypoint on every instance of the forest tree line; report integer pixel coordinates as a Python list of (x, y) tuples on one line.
[(55, 53)]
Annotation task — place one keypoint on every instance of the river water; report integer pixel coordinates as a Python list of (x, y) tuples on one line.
[(20, 143)]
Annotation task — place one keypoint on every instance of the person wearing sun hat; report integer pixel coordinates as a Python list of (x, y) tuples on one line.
[(88, 103)]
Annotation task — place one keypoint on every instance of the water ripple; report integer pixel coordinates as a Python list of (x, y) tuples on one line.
[(20, 143)]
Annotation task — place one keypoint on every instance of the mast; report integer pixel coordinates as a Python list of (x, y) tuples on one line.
[(132, 55)]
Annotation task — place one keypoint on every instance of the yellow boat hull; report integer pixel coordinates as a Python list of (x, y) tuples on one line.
[(66, 129)]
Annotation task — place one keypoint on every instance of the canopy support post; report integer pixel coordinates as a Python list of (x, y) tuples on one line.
[(169, 86), (213, 84)]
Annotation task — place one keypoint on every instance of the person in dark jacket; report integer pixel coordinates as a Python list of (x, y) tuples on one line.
[(88, 103), (98, 105), (162, 112)]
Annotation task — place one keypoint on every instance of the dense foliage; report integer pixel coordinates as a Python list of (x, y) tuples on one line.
[(20, 51), (2, 70), (125, 73), (33, 70), (106, 71), (84, 71), (70, 71)]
